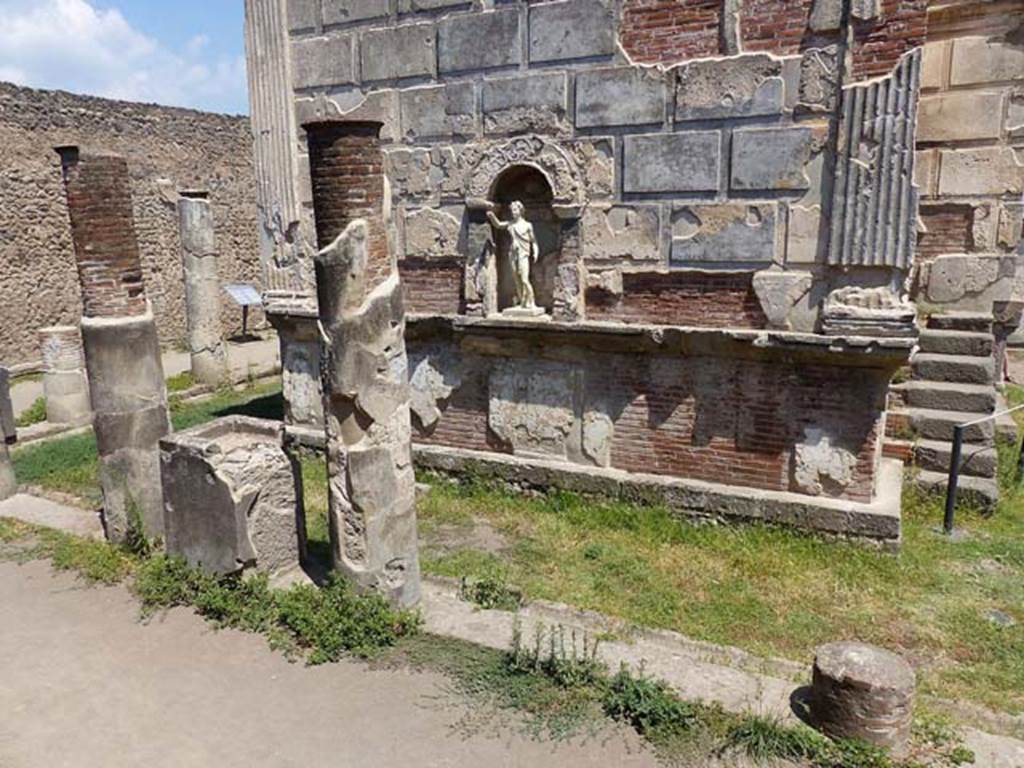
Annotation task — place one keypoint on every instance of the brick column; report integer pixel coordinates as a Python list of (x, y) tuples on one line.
[(8, 435), (199, 258), (64, 380), (122, 353), (365, 370)]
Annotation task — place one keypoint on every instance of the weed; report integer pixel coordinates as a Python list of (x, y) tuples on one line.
[(181, 382), (34, 414), (648, 705), (764, 738), (491, 592)]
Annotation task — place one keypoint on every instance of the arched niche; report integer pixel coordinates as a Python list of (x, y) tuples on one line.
[(529, 185)]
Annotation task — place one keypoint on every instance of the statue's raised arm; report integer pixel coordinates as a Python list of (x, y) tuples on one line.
[(496, 222)]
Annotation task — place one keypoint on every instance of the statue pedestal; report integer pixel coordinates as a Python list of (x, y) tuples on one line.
[(522, 313)]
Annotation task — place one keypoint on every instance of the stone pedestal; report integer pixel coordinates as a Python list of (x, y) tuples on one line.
[(863, 692), (64, 381), (122, 352), (202, 289), (299, 338), (233, 497), (366, 399), (8, 435)]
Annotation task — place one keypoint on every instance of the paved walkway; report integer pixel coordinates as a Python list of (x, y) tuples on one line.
[(84, 684), (259, 357)]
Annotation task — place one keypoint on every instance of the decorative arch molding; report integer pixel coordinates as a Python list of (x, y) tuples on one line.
[(558, 167)]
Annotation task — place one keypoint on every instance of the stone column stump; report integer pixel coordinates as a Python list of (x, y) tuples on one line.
[(119, 337), (8, 435), (233, 497), (65, 384), (863, 692), (365, 373), (202, 289)]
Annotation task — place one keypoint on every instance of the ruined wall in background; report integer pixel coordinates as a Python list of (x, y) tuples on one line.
[(167, 150), (970, 159)]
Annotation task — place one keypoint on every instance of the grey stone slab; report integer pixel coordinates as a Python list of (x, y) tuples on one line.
[(479, 41), (396, 52), (342, 11), (730, 233), (621, 234), (322, 61), (619, 96), (303, 14), (672, 162), (438, 111), (574, 29), (532, 102), (960, 116), (746, 86), (412, 6), (771, 158)]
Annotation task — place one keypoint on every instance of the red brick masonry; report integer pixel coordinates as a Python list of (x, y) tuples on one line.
[(103, 230)]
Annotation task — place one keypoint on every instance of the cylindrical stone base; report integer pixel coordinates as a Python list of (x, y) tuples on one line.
[(863, 692), (65, 385), (202, 290), (8, 483), (129, 400), (299, 338)]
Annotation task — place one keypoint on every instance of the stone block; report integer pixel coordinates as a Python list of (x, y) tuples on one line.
[(534, 103), (727, 233), (423, 175), (412, 6), (619, 96), (431, 233), (574, 29), (780, 294), (303, 14), (531, 406), (979, 60), (65, 385), (960, 116), (926, 171), (344, 11), (1015, 115), (818, 84), (396, 52), (969, 281), (744, 86), (822, 465), (479, 41), (356, 104), (439, 111), (935, 65), (672, 162), (232, 497), (322, 61), (804, 243), (981, 171), (771, 158), (1011, 223), (826, 15), (621, 234)]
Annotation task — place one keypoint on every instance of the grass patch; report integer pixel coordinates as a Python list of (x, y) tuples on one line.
[(71, 465), (181, 382), (34, 414)]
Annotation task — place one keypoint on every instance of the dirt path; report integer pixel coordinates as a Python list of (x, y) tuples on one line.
[(83, 684)]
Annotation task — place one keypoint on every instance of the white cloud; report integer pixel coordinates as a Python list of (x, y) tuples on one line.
[(71, 45)]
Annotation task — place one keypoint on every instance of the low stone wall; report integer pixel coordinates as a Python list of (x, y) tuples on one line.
[(167, 150)]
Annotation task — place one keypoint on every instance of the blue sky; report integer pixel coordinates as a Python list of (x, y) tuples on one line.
[(187, 53)]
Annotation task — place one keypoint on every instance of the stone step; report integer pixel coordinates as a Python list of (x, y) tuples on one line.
[(946, 396), (932, 424), (976, 459), (963, 369), (977, 322), (981, 492), (971, 343)]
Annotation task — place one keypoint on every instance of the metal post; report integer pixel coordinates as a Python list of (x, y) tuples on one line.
[(954, 479), (245, 321)]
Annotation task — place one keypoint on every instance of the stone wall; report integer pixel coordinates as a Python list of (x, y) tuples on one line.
[(167, 150), (970, 159)]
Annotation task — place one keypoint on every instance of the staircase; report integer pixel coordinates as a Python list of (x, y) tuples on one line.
[(952, 381)]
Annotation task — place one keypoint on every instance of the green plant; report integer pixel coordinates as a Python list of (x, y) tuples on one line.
[(181, 382), (34, 414), (764, 738), (490, 593), (648, 705)]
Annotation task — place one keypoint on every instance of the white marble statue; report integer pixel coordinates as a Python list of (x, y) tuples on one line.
[(523, 252)]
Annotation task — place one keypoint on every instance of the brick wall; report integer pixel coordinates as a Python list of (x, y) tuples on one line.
[(166, 150), (681, 298), (106, 250), (945, 229), (432, 286), (661, 31), (957, 18), (777, 26), (879, 44), (347, 171)]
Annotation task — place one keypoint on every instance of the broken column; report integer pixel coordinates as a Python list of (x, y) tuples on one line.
[(65, 385), (233, 497), (122, 352), (8, 435), (366, 391), (202, 289), (863, 692)]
